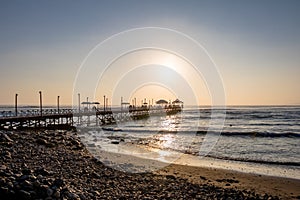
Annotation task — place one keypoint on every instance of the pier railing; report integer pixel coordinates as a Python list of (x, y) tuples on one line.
[(35, 112)]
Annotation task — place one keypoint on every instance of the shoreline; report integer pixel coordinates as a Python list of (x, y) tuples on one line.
[(173, 157), (44, 164)]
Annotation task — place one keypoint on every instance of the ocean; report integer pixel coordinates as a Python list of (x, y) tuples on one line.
[(252, 136)]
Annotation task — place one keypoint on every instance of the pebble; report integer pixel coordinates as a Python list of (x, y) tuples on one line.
[(3, 167), (56, 195), (170, 177), (41, 141), (58, 182), (24, 194), (49, 192), (6, 137)]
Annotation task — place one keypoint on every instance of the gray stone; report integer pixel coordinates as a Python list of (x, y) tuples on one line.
[(8, 155), (4, 190), (7, 138), (10, 185), (41, 141), (24, 194), (73, 196), (24, 177), (27, 183), (56, 195), (49, 192), (58, 182), (3, 167), (170, 177)]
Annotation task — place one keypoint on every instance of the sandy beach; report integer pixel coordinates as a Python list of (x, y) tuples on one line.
[(48, 164)]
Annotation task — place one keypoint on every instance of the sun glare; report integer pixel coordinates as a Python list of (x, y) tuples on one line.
[(151, 93), (170, 60)]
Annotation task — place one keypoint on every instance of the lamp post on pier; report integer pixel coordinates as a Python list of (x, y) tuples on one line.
[(104, 103), (79, 102), (41, 104), (58, 104), (16, 104), (87, 105), (107, 104), (121, 104)]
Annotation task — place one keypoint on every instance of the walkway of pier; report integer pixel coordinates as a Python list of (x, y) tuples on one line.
[(66, 118)]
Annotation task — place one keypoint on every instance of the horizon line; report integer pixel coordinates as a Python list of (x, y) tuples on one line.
[(69, 105)]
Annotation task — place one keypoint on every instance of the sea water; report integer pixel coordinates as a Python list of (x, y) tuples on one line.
[(262, 139)]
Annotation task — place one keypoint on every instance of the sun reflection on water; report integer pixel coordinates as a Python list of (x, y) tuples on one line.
[(168, 133), (166, 140), (169, 124)]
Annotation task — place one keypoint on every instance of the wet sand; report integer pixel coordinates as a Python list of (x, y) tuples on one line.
[(284, 188), (56, 165)]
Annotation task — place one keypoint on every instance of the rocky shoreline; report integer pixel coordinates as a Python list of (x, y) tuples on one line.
[(54, 164)]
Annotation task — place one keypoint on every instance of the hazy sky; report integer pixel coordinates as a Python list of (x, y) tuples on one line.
[(255, 44)]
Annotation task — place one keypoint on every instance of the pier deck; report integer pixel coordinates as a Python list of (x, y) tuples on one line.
[(50, 118)]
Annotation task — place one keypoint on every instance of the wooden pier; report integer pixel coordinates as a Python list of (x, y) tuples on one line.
[(67, 118)]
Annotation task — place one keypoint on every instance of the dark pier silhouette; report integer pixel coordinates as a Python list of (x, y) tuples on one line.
[(68, 118)]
